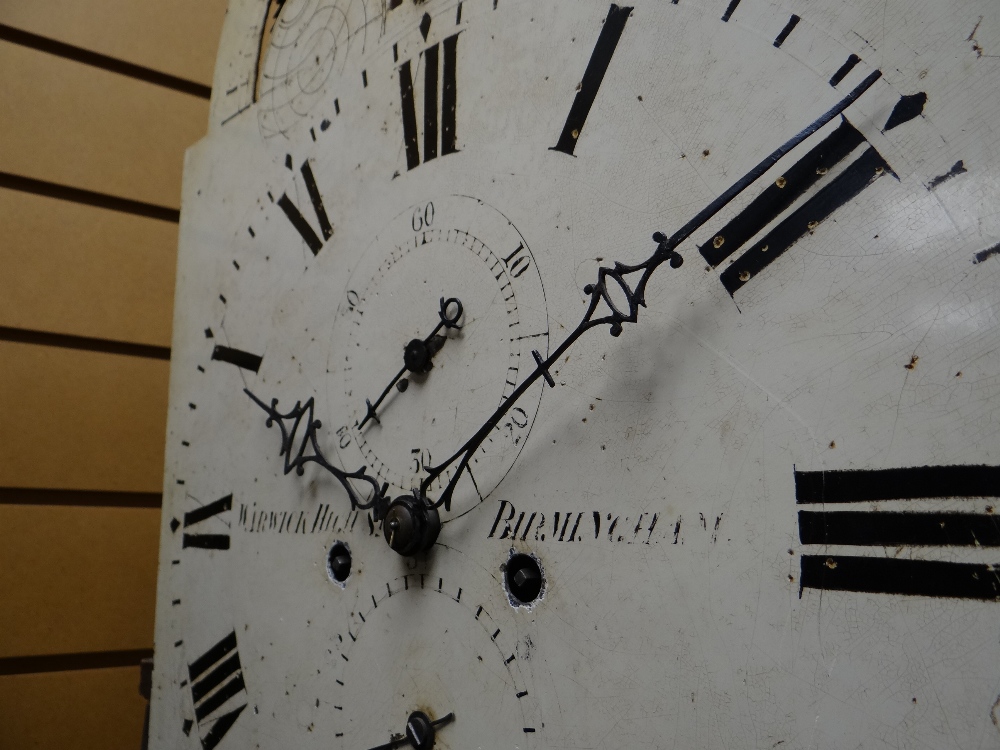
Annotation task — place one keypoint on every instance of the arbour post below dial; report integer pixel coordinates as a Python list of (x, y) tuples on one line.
[(410, 525)]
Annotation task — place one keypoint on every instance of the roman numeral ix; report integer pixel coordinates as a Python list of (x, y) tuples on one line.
[(295, 216), (217, 678), (885, 574), (198, 515), (435, 71), (790, 187)]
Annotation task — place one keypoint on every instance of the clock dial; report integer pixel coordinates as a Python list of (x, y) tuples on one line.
[(587, 375)]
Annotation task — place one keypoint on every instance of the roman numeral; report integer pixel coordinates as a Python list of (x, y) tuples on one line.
[(207, 541), (433, 71), (295, 216), (790, 187), (887, 575), (243, 360), (882, 529), (224, 662), (600, 59), (878, 528), (789, 27), (896, 484)]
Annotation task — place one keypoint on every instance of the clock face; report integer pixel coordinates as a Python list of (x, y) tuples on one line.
[(733, 486)]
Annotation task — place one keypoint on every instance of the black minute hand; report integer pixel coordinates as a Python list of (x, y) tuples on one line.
[(615, 318)]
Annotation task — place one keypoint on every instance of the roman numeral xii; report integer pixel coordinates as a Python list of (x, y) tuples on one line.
[(439, 123)]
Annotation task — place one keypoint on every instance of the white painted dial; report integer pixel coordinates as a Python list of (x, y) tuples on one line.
[(763, 515)]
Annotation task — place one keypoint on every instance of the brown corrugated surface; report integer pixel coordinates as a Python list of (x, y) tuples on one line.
[(83, 430), (81, 420), (89, 709), (76, 579), (85, 271), (77, 125), (177, 37)]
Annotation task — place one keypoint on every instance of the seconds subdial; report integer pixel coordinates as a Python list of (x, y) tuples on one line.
[(441, 249)]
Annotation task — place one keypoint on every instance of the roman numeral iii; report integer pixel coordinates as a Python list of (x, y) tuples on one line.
[(217, 679), (298, 221), (895, 526), (436, 121)]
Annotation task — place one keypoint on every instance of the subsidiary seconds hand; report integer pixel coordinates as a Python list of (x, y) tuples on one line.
[(418, 353), (665, 251)]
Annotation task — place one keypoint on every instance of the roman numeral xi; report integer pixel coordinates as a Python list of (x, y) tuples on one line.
[(302, 226), (200, 515), (216, 679)]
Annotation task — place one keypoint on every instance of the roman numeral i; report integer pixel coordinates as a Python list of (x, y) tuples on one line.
[(243, 360), (593, 76), (435, 73), (216, 678)]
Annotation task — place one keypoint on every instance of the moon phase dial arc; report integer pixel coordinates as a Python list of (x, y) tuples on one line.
[(442, 248), (424, 643)]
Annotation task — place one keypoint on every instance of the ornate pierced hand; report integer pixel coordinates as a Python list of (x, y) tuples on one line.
[(309, 452)]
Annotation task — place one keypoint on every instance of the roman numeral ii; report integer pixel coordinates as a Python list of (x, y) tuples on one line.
[(217, 678), (433, 70), (837, 147)]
